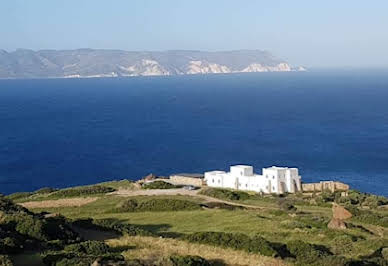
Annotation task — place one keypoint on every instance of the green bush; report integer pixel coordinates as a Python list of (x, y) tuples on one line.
[(30, 226), (88, 247), (306, 252), (221, 205), (42, 229), (79, 259), (367, 216), (112, 225), (286, 205), (158, 185), (358, 198), (45, 190), (310, 254), (178, 260), (133, 205), (83, 191), (19, 195), (129, 205), (238, 241), (225, 194), (5, 260), (10, 243)]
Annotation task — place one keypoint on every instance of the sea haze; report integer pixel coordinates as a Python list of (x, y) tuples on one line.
[(66, 132)]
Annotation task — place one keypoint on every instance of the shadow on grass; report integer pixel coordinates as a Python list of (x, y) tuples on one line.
[(103, 229)]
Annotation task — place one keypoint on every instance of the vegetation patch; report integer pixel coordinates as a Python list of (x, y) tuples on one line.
[(222, 205), (158, 184), (82, 191), (368, 216), (112, 225), (156, 205), (82, 254), (5, 260), (179, 260), (255, 244), (225, 194)]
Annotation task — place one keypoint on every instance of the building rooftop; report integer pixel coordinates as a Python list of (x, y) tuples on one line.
[(242, 166), (192, 175)]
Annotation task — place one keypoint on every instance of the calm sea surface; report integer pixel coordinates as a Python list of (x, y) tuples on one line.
[(66, 132)]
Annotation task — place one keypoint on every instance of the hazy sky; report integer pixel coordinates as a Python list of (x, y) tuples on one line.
[(329, 33)]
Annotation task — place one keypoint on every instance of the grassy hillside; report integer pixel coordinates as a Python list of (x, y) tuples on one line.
[(144, 227)]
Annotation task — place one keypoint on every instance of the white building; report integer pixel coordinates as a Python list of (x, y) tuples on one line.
[(241, 177)]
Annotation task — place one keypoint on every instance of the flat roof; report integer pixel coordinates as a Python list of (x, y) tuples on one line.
[(193, 175), (216, 172), (242, 166)]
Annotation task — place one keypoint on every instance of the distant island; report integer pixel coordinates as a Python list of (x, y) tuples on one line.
[(89, 63)]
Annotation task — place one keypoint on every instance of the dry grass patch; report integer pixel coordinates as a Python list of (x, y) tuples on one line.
[(71, 202), (150, 248)]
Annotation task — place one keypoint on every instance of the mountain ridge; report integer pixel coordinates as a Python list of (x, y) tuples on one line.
[(87, 62)]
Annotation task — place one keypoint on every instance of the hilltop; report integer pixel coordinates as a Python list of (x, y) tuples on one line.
[(158, 223), (24, 63)]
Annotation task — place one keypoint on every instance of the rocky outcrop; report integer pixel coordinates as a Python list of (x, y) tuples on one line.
[(340, 214), (88, 63)]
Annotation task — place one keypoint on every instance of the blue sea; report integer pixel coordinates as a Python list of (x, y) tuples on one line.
[(332, 125)]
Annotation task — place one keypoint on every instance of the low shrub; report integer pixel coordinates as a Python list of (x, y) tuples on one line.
[(307, 252), (64, 258), (286, 205), (83, 191), (129, 205), (112, 225), (24, 195), (133, 205), (367, 216), (42, 229), (238, 241), (179, 260), (225, 194), (158, 185), (19, 195), (5, 260), (45, 190), (11, 243), (358, 198), (88, 247), (221, 205), (378, 258)]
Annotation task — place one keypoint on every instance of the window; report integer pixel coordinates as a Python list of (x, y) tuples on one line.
[(213, 180), (219, 181), (266, 176), (241, 172), (273, 177), (273, 187), (246, 185)]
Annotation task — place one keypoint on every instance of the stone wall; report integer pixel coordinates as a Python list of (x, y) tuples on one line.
[(325, 185), (186, 180)]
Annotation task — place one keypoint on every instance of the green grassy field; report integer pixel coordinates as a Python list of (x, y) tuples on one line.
[(308, 222)]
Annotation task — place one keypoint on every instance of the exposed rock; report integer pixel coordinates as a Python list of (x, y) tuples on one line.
[(340, 212), (337, 224), (339, 215)]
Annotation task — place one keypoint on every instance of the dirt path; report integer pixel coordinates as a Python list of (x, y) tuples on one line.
[(175, 192), (58, 203)]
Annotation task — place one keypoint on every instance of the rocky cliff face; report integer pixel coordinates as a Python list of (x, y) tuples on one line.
[(112, 63)]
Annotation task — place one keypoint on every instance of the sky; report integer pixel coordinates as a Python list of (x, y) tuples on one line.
[(330, 33)]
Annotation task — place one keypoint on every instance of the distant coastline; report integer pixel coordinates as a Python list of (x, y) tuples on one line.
[(90, 63)]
